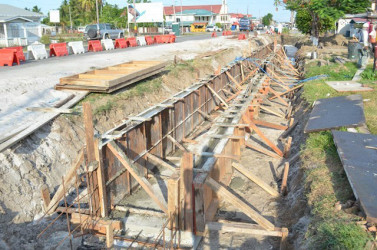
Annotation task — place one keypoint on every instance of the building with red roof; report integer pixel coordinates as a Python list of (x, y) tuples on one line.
[(209, 14)]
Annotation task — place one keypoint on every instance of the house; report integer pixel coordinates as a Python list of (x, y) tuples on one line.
[(208, 14), (18, 26)]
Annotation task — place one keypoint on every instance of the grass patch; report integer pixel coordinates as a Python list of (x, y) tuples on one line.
[(324, 178), (318, 89)]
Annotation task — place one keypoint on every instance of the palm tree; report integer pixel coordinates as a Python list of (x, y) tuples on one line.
[(36, 9)]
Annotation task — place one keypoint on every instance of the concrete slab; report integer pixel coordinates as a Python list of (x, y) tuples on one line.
[(337, 112), (348, 86), (360, 165)]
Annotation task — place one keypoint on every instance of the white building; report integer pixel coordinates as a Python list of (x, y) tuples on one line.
[(18, 26), (209, 14)]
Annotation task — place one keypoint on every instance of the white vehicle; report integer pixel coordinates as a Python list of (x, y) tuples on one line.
[(212, 28), (81, 29)]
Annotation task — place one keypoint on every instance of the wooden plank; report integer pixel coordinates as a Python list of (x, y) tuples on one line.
[(218, 96), (233, 80), (278, 96), (47, 109), (255, 179), (269, 124), (263, 151), (28, 130), (288, 131), (89, 131), (286, 92), (242, 228), (271, 111), (283, 188), (67, 180), (205, 115), (261, 135), (134, 172), (160, 161), (229, 197), (187, 166), (180, 146)]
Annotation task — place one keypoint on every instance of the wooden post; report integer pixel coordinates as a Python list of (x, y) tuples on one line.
[(101, 179), (109, 235), (285, 178), (200, 219), (173, 200), (90, 153), (187, 166)]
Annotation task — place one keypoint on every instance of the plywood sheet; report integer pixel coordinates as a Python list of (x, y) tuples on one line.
[(360, 165), (348, 86), (337, 112)]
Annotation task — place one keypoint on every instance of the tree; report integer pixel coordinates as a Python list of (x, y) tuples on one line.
[(321, 15), (267, 19), (36, 9)]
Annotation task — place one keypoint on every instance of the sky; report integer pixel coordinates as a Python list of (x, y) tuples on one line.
[(256, 7)]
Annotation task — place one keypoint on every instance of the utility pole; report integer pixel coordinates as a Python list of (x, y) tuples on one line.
[(182, 17), (70, 16), (135, 18), (97, 12)]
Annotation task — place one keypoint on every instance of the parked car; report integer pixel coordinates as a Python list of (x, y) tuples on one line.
[(81, 29), (168, 29), (212, 28), (260, 27), (102, 31)]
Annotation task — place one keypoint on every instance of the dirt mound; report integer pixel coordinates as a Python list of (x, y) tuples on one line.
[(338, 40)]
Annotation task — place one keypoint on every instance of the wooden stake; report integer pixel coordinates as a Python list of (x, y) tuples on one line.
[(269, 124), (233, 80), (159, 161), (283, 188), (218, 96), (288, 91), (234, 200), (242, 228), (109, 236), (284, 239), (180, 146), (45, 193), (287, 147), (261, 135), (255, 179), (272, 111), (187, 166), (118, 153), (263, 151), (67, 180), (101, 180), (173, 199)]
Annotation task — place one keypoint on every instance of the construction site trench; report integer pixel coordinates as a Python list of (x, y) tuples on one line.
[(197, 156)]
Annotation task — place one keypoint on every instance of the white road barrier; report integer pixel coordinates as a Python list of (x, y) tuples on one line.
[(76, 47), (108, 44), (141, 41), (37, 51)]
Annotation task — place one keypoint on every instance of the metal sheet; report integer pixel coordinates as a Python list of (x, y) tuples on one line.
[(348, 86), (337, 112), (360, 165)]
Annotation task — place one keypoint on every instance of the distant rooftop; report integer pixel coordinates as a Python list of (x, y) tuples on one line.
[(8, 12), (169, 10)]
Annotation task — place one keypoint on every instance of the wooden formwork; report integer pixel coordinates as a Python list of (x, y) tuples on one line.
[(123, 156)]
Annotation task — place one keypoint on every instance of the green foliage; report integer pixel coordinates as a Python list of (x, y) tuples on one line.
[(286, 30), (36, 9), (45, 39), (341, 235), (267, 19), (112, 14), (369, 74), (317, 16), (218, 25)]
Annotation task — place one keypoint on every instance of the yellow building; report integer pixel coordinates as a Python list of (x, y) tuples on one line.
[(198, 27)]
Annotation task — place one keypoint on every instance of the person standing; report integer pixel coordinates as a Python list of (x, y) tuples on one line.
[(363, 50), (373, 39)]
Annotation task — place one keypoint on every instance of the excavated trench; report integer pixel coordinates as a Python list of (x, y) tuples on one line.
[(45, 156)]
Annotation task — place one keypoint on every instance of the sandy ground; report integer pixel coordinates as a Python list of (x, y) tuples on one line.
[(31, 85)]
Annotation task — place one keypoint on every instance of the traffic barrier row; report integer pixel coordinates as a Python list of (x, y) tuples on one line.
[(227, 33), (14, 55), (214, 34)]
